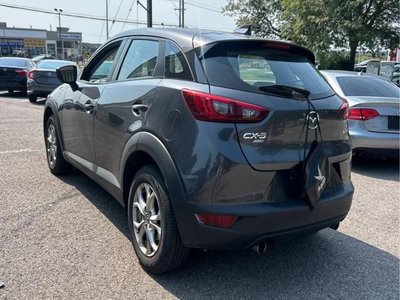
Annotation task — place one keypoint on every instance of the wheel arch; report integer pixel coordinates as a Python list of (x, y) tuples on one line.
[(142, 149), (50, 109)]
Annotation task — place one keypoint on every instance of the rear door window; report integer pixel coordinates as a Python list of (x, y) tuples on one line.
[(176, 66), (249, 66)]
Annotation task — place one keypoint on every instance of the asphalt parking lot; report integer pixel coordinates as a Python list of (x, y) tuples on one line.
[(64, 237)]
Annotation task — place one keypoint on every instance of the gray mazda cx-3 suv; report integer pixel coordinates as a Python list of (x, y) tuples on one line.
[(210, 140)]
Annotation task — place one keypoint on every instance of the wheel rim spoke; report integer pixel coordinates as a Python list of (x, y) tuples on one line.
[(150, 238)]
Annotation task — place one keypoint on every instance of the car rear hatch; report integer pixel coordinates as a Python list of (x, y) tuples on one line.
[(373, 101), (379, 114), (273, 76), (11, 74), (47, 77)]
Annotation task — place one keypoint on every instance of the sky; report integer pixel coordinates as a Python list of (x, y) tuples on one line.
[(199, 13)]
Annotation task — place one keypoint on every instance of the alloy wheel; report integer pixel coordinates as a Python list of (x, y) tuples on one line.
[(146, 218), (51, 145)]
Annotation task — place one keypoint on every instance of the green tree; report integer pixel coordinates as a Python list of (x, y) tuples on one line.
[(322, 24)]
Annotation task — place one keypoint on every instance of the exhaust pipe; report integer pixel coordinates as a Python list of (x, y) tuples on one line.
[(260, 248)]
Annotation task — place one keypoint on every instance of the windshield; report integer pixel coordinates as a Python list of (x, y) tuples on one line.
[(51, 65), (13, 62), (250, 67), (367, 86)]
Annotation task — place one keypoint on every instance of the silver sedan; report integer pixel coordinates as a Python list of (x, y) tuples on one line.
[(374, 110)]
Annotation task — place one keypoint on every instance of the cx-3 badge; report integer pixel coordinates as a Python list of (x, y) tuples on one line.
[(312, 119)]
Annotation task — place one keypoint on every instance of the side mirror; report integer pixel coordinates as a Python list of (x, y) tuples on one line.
[(67, 74)]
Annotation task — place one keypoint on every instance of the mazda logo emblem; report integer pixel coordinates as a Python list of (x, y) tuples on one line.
[(312, 119)]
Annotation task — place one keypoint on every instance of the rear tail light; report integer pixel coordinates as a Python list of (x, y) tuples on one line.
[(212, 108), (30, 74), (21, 72), (362, 114), (344, 109), (222, 221)]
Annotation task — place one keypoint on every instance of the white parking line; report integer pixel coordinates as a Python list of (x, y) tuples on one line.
[(24, 100), (19, 151)]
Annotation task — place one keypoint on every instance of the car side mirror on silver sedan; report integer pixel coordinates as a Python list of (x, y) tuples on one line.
[(67, 74)]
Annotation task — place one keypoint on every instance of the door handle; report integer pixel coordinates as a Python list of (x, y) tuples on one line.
[(89, 107), (139, 108)]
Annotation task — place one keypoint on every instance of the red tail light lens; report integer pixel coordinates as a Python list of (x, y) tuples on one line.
[(30, 74), (222, 221), (344, 109), (362, 114), (21, 72), (212, 108)]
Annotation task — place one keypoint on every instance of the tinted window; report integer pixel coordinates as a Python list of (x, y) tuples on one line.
[(176, 66), (140, 60), (9, 62), (249, 66), (100, 67), (52, 65), (367, 86)]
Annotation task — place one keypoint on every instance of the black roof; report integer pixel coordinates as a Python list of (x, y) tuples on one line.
[(189, 38)]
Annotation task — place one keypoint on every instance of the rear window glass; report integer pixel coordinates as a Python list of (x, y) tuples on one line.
[(249, 66), (9, 62), (52, 65), (367, 86)]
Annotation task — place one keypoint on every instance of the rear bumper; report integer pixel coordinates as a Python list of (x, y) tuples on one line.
[(13, 85), (262, 221), (40, 89), (374, 140)]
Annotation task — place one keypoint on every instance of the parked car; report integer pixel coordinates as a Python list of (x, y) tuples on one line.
[(396, 75), (42, 79), (40, 57), (211, 140), (362, 66), (13, 72), (374, 111)]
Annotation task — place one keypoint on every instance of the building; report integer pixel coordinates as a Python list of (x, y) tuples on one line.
[(30, 42)]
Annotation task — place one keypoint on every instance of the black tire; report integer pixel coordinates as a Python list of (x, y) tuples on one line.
[(171, 253), (32, 98), (10, 91), (55, 159)]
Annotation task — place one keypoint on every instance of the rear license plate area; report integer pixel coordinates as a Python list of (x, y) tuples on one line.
[(393, 123)]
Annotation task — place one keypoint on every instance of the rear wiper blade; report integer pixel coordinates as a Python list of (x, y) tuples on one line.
[(286, 91)]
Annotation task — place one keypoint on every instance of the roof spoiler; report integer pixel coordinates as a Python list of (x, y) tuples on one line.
[(245, 29)]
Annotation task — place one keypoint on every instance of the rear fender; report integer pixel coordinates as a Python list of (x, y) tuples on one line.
[(150, 144)]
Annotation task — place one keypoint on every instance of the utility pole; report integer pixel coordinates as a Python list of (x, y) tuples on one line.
[(183, 14), (149, 13), (107, 18), (149, 10), (59, 11), (180, 13)]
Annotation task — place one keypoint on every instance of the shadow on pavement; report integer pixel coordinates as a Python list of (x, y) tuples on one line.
[(103, 201), (387, 169), (328, 264), (13, 95)]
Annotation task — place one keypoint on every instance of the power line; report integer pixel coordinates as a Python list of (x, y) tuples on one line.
[(80, 16), (116, 14), (127, 16), (200, 5)]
